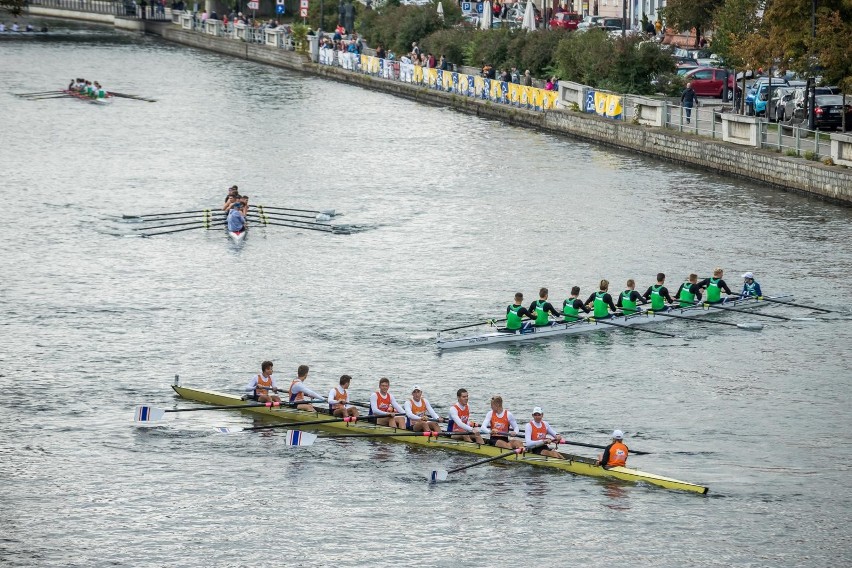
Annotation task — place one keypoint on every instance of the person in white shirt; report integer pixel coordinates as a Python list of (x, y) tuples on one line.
[(460, 419), (497, 423), (536, 438), (418, 411), (263, 385), (384, 407), (298, 390), (338, 397)]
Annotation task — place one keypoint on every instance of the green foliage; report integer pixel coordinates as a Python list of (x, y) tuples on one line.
[(636, 62), (535, 50), (300, 36), (396, 27), (734, 21), (684, 15), (670, 84), (449, 42), (330, 14), (489, 46), (585, 57), (811, 155), (792, 153), (15, 7)]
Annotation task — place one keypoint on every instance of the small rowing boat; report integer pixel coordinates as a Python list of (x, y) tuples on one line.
[(578, 465), (591, 324), (238, 236), (84, 97)]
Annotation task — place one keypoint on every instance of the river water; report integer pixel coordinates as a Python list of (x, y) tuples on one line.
[(460, 213)]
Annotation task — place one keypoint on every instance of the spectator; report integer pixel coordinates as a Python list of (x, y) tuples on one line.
[(505, 76), (415, 50), (430, 61), (380, 51), (443, 64), (516, 76), (527, 80), (687, 99), (549, 85), (658, 26)]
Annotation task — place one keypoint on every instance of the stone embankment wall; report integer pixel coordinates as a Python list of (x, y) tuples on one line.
[(792, 174)]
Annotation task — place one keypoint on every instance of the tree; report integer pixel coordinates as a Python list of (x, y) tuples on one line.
[(14, 6), (684, 15), (733, 22), (833, 44)]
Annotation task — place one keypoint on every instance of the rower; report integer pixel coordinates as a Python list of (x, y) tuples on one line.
[(236, 220), (100, 92), (417, 409), (601, 302), (572, 306), (262, 384), (658, 294), (536, 436), (338, 399), (383, 405), (514, 316), (244, 200), (628, 299), (689, 293), (497, 423), (750, 286), (541, 308), (714, 287), (298, 390), (615, 454), (233, 195), (460, 419)]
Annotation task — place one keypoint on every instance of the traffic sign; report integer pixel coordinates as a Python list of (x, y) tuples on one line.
[(303, 12), (253, 5), (279, 9)]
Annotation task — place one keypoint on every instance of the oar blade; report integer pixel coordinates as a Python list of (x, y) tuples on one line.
[(751, 326), (438, 475), (144, 413), (299, 438), (223, 430)]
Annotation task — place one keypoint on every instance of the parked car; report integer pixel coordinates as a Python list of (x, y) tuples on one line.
[(684, 68), (755, 105), (565, 20), (763, 97), (828, 113), (709, 82)]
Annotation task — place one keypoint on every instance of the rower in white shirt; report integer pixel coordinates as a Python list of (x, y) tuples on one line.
[(418, 411), (537, 434), (338, 397), (261, 385), (497, 423), (384, 407), (460, 420), (298, 390)]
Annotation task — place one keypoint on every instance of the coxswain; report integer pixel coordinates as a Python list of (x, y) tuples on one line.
[(714, 287), (236, 220), (338, 400), (418, 411), (536, 436), (72, 85), (460, 419), (541, 308), (658, 294), (298, 390), (515, 313), (384, 407), (629, 299), (572, 306), (615, 454), (750, 286), (689, 293), (601, 302), (497, 423), (263, 385)]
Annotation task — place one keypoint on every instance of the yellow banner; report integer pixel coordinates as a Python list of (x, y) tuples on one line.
[(600, 103), (550, 98), (418, 74), (494, 95), (514, 94), (370, 64), (613, 106), (431, 77)]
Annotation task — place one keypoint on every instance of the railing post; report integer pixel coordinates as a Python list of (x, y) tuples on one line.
[(680, 123), (780, 130), (713, 124), (798, 140), (816, 142)]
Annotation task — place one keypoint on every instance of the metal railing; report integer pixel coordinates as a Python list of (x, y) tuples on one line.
[(124, 8)]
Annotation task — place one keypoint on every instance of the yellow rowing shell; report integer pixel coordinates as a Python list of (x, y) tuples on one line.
[(576, 464)]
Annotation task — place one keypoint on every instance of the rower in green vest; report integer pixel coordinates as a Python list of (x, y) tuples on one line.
[(601, 302), (572, 306), (541, 308), (628, 299), (658, 294), (689, 293), (515, 314), (714, 287)]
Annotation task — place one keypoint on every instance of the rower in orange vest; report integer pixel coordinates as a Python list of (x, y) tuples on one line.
[(539, 433), (615, 454), (338, 399), (262, 386)]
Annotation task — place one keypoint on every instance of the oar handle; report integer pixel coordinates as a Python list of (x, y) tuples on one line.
[(516, 451), (486, 322)]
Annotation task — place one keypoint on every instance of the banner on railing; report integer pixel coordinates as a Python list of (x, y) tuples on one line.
[(605, 104)]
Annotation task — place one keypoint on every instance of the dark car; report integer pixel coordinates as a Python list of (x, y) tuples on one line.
[(709, 82), (829, 111), (565, 20)]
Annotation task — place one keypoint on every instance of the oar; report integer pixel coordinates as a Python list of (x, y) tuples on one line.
[(261, 211), (595, 320), (158, 219), (489, 322), (570, 443), (226, 430), (765, 299), (62, 96), (329, 212), (212, 225), (718, 307), (31, 94), (441, 475), (327, 229), (750, 326), (203, 221), (263, 218), (163, 214), (147, 413), (135, 97)]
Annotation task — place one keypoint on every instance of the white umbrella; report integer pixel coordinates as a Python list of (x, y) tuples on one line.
[(441, 10), (485, 23), (529, 17)]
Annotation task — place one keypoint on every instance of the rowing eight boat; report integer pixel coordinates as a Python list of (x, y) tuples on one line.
[(575, 464), (586, 326), (84, 97)]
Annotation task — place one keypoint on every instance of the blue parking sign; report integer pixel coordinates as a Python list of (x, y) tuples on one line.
[(465, 6), (479, 7), (279, 9)]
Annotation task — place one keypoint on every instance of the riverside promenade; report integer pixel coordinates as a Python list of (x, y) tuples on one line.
[(741, 156)]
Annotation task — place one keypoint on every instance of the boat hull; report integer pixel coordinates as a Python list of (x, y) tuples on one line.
[(580, 327), (238, 236), (88, 99), (577, 464)]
